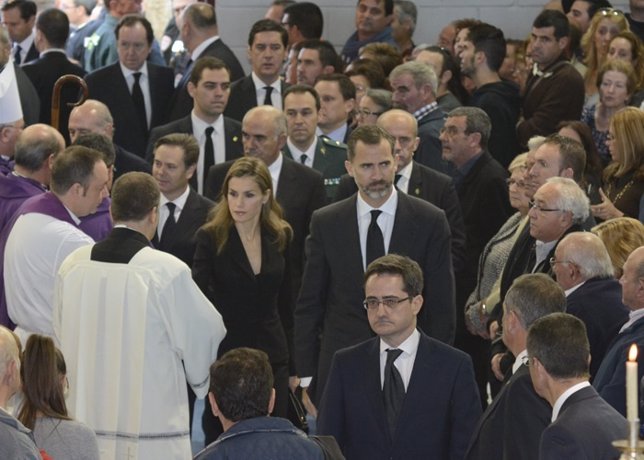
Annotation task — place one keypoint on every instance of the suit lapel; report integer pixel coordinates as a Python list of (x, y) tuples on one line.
[(373, 388), (231, 139), (238, 253), (415, 182), (287, 152)]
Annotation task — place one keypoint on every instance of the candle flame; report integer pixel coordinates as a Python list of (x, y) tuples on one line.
[(632, 353)]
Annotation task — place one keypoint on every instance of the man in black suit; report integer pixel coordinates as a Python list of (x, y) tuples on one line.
[(81, 26), (379, 408), (266, 50), (94, 117), (19, 17), (337, 102), (136, 91), (299, 190), (302, 106), (414, 85), (345, 236), (219, 137), (52, 30), (483, 195), (200, 35), (584, 425), (181, 210), (584, 270), (417, 180), (511, 426)]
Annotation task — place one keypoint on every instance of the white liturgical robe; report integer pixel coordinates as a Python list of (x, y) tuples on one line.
[(127, 331)]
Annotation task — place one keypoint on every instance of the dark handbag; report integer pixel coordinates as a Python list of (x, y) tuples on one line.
[(296, 412)]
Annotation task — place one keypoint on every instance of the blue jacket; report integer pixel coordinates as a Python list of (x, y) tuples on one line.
[(262, 438)]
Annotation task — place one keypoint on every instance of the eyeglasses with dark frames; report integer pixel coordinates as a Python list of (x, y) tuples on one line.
[(390, 303)]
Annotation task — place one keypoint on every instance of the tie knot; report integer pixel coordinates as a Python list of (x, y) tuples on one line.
[(18, 48), (374, 214), (137, 76), (393, 354), (303, 158), (171, 207), (209, 131), (269, 89)]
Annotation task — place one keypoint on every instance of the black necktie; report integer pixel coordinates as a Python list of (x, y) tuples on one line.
[(16, 57), (375, 241), (139, 102), (267, 98), (303, 158), (208, 154), (397, 178), (393, 390), (169, 225)]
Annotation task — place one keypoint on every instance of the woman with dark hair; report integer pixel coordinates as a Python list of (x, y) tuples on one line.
[(580, 131), (241, 265), (623, 179), (43, 410)]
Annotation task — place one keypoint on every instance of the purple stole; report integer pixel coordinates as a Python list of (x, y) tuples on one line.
[(6, 165), (14, 190), (99, 224), (45, 203)]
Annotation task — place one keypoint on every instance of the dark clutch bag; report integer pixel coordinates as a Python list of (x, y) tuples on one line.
[(296, 411)]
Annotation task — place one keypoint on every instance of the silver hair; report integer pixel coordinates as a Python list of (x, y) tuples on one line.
[(8, 351), (407, 12), (421, 73), (535, 142), (587, 251), (476, 121), (380, 97), (570, 197)]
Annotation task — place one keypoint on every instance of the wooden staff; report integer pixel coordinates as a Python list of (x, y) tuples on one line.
[(55, 98)]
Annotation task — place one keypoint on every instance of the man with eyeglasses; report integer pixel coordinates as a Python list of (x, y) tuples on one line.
[(485, 204), (416, 179), (301, 106), (345, 237), (584, 270), (384, 393), (135, 91), (583, 423), (414, 86), (512, 424)]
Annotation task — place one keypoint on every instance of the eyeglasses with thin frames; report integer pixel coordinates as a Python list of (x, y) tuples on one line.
[(534, 205), (554, 262), (390, 303)]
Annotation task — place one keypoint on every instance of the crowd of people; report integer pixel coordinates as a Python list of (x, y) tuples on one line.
[(406, 250)]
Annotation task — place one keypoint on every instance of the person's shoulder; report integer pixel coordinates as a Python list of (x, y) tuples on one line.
[(333, 145), (442, 349)]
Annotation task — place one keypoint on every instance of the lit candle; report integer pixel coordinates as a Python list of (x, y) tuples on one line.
[(631, 384)]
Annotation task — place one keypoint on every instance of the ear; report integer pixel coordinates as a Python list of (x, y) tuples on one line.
[(190, 171), (266, 196), (281, 141), (191, 89), (446, 77), (271, 401), (568, 173), (563, 43), (416, 304), (213, 404), (349, 167), (415, 145), (327, 70), (349, 105)]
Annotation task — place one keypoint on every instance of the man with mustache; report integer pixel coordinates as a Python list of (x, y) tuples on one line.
[(345, 237)]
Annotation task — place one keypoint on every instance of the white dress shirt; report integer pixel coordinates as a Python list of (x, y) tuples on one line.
[(385, 221), (564, 396), (25, 45), (202, 47), (144, 83), (297, 153), (164, 212), (275, 170), (405, 362), (405, 175), (218, 142), (276, 95)]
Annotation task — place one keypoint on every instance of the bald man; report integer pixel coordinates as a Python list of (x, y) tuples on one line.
[(94, 117)]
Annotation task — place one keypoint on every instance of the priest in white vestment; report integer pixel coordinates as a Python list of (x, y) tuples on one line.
[(133, 327)]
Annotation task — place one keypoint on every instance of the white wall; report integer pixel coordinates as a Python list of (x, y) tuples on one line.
[(235, 17)]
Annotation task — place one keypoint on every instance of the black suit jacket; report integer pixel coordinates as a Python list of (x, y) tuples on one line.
[(232, 133), (127, 161), (440, 408), (181, 241), (43, 73), (431, 186), (331, 295), (243, 97), (300, 191), (29, 99), (181, 103), (511, 426), (108, 85), (585, 428), (32, 54), (598, 303)]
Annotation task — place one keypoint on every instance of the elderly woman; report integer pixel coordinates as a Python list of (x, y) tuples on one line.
[(623, 179), (374, 103), (496, 252)]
